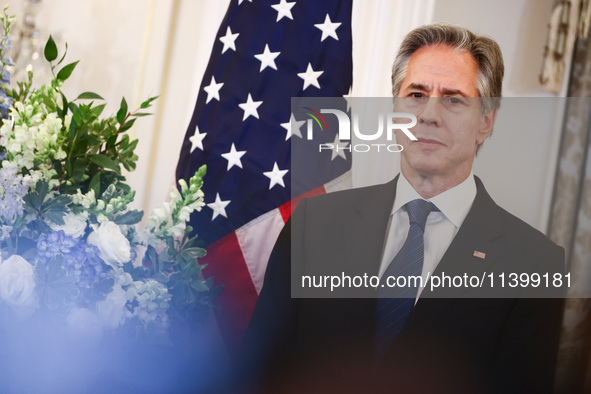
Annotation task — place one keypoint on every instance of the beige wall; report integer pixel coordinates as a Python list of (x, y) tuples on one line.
[(517, 163)]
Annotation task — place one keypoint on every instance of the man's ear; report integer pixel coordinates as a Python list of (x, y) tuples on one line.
[(486, 126)]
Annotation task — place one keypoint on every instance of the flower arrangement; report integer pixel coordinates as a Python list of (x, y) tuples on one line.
[(70, 245)]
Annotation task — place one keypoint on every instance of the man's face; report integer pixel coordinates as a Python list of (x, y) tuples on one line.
[(440, 90)]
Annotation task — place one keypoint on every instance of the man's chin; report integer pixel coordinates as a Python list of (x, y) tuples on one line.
[(424, 167)]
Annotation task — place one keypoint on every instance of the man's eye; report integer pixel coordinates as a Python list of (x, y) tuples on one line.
[(454, 100), (416, 95)]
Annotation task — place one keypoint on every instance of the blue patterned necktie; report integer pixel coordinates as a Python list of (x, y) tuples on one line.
[(394, 304)]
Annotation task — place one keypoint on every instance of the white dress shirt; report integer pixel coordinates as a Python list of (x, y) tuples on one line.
[(441, 228)]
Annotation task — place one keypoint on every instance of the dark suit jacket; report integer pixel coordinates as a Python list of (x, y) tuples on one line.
[(451, 342)]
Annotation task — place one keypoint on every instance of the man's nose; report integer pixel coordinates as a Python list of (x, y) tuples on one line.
[(430, 112)]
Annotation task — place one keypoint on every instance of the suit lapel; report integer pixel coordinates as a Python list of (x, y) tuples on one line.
[(367, 228), (478, 233)]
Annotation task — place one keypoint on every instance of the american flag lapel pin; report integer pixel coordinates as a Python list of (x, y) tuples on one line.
[(479, 254)]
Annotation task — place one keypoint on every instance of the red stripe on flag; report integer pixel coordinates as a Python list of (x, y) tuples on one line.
[(285, 211), (288, 208), (236, 302)]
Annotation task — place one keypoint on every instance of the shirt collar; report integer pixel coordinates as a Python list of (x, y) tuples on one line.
[(454, 203)]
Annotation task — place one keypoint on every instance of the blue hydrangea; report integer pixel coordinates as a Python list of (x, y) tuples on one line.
[(80, 259)]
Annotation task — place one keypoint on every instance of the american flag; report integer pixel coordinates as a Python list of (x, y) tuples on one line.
[(265, 53)]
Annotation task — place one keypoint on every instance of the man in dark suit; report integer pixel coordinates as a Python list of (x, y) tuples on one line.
[(452, 338)]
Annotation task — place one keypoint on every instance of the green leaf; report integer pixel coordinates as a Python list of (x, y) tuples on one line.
[(50, 51), (104, 161), (54, 286), (140, 114), (112, 141), (56, 217), (139, 273), (64, 55), (95, 184), (49, 103), (193, 253), (78, 169), (199, 285), (64, 110), (69, 166), (55, 208), (148, 102), (122, 113), (127, 125), (75, 112), (180, 290), (123, 142), (129, 217), (73, 129), (34, 199), (96, 111), (66, 71), (132, 145), (89, 96)]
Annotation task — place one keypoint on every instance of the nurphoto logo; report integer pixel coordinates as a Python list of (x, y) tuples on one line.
[(387, 123)]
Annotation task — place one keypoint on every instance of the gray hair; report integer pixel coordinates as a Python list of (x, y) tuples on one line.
[(484, 50)]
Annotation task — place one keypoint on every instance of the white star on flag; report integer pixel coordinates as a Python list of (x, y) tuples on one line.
[(213, 90), (240, 1), (229, 40), (250, 107), (197, 139), (276, 176), (310, 77), (283, 8), (338, 148), (292, 127), (349, 98), (267, 58), (218, 207), (233, 157), (329, 29)]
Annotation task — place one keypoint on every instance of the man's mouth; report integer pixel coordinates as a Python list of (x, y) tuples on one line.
[(429, 141)]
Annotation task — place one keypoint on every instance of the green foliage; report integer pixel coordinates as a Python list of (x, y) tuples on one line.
[(129, 218), (74, 169), (89, 96), (65, 72), (96, 149), (45, 209), (50, 51)]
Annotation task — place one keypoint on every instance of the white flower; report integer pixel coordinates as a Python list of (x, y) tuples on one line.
[(177, 231), (113, 246), (152, 301), (17, 282), (175, 196), (74, 225), (185, 214), (86, 200), (60, 154), (159, 215), (67, 121)]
